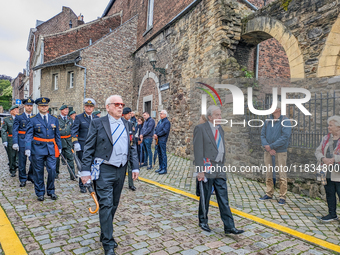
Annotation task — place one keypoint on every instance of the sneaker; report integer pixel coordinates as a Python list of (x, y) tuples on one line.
[(328, 218), (265, 197), (282, 201)]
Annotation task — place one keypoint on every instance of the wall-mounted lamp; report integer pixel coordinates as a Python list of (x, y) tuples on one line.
[(152, 55)]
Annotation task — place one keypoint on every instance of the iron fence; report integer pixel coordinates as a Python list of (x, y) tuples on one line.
[(309, 130)]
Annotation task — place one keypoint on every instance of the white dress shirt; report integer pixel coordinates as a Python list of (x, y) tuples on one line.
[(42, 116)]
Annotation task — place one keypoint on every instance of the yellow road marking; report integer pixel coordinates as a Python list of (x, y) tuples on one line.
[(9, 240), (267, 223)]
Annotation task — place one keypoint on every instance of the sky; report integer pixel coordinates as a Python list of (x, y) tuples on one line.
[(18, 16)]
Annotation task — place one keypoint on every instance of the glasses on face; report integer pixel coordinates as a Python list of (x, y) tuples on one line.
[(118, 104)]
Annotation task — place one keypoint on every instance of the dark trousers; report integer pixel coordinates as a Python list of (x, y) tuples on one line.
[(68, 155), (332, 188), (162, 157), (80, 156), (12, 157), (221, 191), (108, 189), (39, 184), (129, 174), (23, 177), (148, 142)]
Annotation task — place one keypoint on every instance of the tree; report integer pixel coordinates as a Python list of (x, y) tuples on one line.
[(5, 94)]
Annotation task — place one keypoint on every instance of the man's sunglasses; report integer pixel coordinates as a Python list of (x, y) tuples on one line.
[(117, 104)]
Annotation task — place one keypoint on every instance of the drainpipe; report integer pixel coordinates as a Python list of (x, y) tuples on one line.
[(83, 67)]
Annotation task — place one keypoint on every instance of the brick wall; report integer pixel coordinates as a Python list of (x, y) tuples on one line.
[(160, 16), (77, 38), (109, 64)]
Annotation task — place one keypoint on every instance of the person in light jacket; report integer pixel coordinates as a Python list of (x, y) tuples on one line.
[(328, 154)]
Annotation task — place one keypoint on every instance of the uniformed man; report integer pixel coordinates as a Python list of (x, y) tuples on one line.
[(127, 116), (44, 143), (7, 139), (65, 124), (79, 130), (72, 115), (97, 113), (19, 133)]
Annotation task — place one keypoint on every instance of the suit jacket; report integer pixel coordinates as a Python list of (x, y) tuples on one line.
[(163, 129), (205, 145), (99, 143), (80, 128), (7, 129), (37, 128), (65, 130), (20, 124)]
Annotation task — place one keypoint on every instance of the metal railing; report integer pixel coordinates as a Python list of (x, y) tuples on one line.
[(309, 130)]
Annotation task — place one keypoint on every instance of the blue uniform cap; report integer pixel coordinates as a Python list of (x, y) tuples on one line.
[(42, 101), (28, 101)]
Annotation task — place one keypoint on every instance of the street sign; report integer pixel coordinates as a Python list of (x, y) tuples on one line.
[(18, 101)]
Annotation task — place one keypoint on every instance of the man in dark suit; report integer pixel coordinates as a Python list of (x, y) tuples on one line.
[(110, 143), (19, 132), (146, 135), (209, 153), (79, 130), (43, 140), (161, 135)]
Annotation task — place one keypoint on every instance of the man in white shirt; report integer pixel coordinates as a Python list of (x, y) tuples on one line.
[(110, 142)]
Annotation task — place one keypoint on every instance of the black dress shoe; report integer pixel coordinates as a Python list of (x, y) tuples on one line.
[(22, 184), (41, 198), (162, 172), (12, 174), (56, 177), (110, 252), (53, 196), (205, 227), (115, 245), (158, 170), (234, 231), (133, 188), (82, 190)]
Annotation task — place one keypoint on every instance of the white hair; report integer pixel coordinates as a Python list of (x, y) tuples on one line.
[(335, 119), (108, 100), (165, 112), (211, 110)]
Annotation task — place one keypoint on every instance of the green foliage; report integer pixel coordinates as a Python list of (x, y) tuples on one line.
[(5, 94), (247, 74), (285, 4)]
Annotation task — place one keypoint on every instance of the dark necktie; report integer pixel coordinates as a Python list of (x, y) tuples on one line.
[(45, 120)]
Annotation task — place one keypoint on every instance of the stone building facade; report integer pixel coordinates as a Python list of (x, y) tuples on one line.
[(109, 68)]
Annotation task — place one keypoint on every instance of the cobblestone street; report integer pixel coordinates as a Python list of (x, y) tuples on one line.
[(155, 221)]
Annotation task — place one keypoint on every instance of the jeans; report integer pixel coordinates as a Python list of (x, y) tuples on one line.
[(332, 188), (162, 157), (148, 142)]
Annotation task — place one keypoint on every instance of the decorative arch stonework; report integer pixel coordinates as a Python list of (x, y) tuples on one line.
[(263, 28), (329, 62), (158, 100)]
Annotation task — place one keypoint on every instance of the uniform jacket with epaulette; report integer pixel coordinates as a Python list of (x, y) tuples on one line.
[(80, 128), (37, 128), (7, 129), (20, 124), (65, 130)]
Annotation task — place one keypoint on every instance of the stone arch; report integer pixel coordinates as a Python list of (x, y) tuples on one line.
[(329, 61), (153, 76), (260, 29)]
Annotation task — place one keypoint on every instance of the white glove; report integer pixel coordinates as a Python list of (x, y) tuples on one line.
[(77, 147), (15, 147), (59, 151), (5, 144), (28, 153)]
